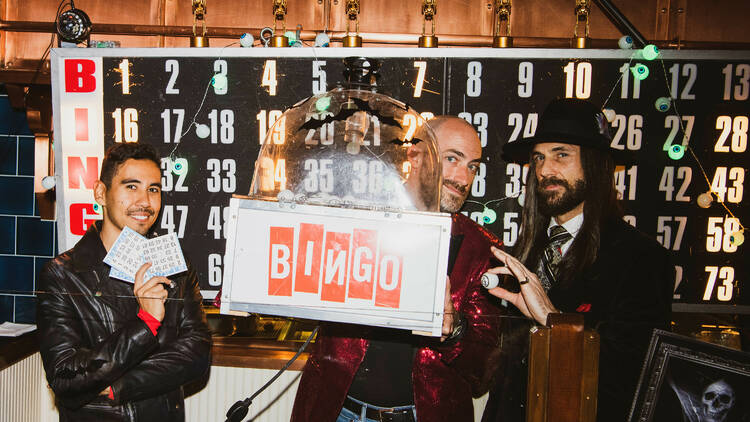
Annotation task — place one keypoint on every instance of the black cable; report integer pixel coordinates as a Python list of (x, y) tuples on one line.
[(49, 47), (239, 410)]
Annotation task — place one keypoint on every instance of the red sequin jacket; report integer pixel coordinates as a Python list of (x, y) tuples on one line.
[(444, 376)]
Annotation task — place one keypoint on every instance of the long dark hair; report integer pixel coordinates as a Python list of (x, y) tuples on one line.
[(600, 204)]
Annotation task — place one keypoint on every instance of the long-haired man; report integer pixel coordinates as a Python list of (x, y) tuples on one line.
[(576, 254)]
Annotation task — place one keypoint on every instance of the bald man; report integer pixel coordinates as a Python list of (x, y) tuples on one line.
[(357, 373), (460, 153)]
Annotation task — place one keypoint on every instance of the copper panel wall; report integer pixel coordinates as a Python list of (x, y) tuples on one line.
[(679, 20)]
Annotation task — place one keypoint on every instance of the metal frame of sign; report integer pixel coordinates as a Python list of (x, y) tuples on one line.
[(424, 321), (483, 85)]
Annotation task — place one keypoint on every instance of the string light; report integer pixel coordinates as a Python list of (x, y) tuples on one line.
[(219, 81), (737, 238), (676, 152), (179, 166), (650, 52), (663, 104), (705, 199), (247, 40), (322, 103), (640, 71), (625, 42), (489, 215), (322, 40), (203, 131)]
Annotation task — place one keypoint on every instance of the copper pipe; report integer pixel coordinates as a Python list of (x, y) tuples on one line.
[(368, 37)]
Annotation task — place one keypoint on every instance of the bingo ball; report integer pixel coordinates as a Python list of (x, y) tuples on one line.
[(490, 281)]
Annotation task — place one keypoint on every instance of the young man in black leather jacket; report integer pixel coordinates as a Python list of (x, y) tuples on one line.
[(113, 351)]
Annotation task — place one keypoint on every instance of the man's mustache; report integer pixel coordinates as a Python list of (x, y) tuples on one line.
[(551, 181), (457, 186), (148, 210)]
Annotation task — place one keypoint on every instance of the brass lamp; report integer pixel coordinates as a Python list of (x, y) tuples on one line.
[(502, 19), (429, 10), (279, 15), (582, 10), (199, 14), (352, 14)]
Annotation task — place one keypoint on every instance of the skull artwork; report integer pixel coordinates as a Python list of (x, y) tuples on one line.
[(718, 399)]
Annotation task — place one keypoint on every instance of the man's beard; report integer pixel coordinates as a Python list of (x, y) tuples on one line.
[(552, 203), (449, 202)]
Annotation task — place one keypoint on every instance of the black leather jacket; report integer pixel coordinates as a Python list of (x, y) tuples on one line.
[(90, 338)]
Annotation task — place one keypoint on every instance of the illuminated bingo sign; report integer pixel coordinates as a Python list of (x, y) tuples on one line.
[(694, 99), (79, 145), (334, 264)]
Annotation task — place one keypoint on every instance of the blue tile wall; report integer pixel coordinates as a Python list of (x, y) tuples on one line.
[(8, 148), (25, 309), (18, 195), (7, 235), (34, 236), (26, 155), (6, 308), (16, 274), (12, 122), (26, 241)]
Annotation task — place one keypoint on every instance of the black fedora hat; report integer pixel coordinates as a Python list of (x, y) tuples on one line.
[(568, 121)]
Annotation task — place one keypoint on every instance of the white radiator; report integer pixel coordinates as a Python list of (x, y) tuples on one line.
[(25, 397), (21, 389), (228, 385)]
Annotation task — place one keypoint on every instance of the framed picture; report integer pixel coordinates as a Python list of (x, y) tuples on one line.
[(684, 379)]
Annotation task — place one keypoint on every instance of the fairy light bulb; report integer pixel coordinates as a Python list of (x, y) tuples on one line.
[(203, 131), (322, 40), (247, 39), (322, 104), (663, 104), (219, 81), (640, 71), (179, 166), (650, 52), (625, 42), (705, 199), (489, 215), (676, 152), (737, 238)]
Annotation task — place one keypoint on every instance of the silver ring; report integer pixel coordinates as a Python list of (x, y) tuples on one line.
[(522, 282)]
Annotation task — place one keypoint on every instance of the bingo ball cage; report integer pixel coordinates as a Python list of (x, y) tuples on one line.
[(351, 147)]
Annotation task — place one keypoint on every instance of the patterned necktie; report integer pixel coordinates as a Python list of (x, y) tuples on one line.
[(552, 255)]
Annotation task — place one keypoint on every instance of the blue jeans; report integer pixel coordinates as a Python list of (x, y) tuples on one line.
[(347, 415)]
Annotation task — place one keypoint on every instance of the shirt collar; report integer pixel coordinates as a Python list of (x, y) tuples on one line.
[(572, 226)]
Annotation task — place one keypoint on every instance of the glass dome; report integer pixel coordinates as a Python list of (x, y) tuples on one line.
[(350, 147)]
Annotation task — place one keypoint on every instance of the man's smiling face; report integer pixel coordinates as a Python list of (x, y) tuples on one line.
[(133, 198)]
